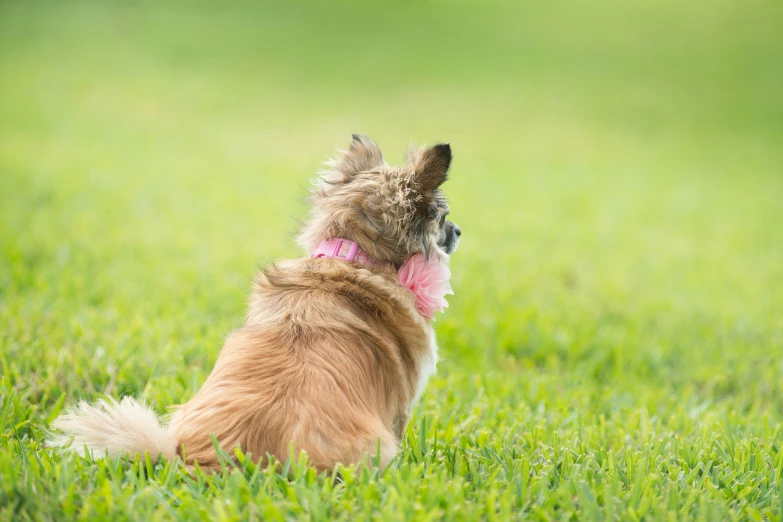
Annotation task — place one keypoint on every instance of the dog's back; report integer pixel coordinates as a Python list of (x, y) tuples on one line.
[(328, 360)]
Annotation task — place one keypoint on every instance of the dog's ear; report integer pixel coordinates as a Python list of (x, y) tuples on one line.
[(362, 155), (430, 166)]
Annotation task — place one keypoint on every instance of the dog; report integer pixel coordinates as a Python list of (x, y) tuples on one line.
[(335, 350)]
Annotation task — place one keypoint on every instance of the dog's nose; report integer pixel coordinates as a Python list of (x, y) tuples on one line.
[(457, 230)]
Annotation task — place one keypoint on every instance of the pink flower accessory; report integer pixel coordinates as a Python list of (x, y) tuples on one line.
[(429, 282)]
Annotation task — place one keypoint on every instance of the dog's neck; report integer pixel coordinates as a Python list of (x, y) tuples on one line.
[(429, 281)]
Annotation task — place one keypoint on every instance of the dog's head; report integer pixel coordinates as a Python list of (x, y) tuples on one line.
[(391, 212)]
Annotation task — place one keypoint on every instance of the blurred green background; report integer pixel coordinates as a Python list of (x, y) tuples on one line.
[(618, 177)]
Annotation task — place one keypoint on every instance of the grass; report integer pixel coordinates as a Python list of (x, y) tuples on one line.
[(613, 348)]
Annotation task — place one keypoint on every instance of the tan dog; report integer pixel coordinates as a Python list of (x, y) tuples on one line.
[(333, 353)]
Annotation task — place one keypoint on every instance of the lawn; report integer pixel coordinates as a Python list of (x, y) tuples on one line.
[(614, 347)]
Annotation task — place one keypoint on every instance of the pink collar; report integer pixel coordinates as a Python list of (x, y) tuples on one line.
[(428, 280), (346, 250)]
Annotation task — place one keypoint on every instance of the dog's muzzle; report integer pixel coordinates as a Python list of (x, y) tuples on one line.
[(450, 237)]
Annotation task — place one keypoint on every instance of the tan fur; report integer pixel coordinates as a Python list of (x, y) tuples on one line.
[(332, 355)]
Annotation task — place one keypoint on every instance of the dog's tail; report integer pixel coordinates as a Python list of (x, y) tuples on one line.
[(116, 428)]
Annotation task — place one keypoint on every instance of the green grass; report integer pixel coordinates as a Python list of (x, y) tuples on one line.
[(613, 350)]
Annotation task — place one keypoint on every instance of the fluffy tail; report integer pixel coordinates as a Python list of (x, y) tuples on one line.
[(115, 427)]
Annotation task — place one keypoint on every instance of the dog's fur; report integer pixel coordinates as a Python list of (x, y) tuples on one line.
[(332, 355)]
